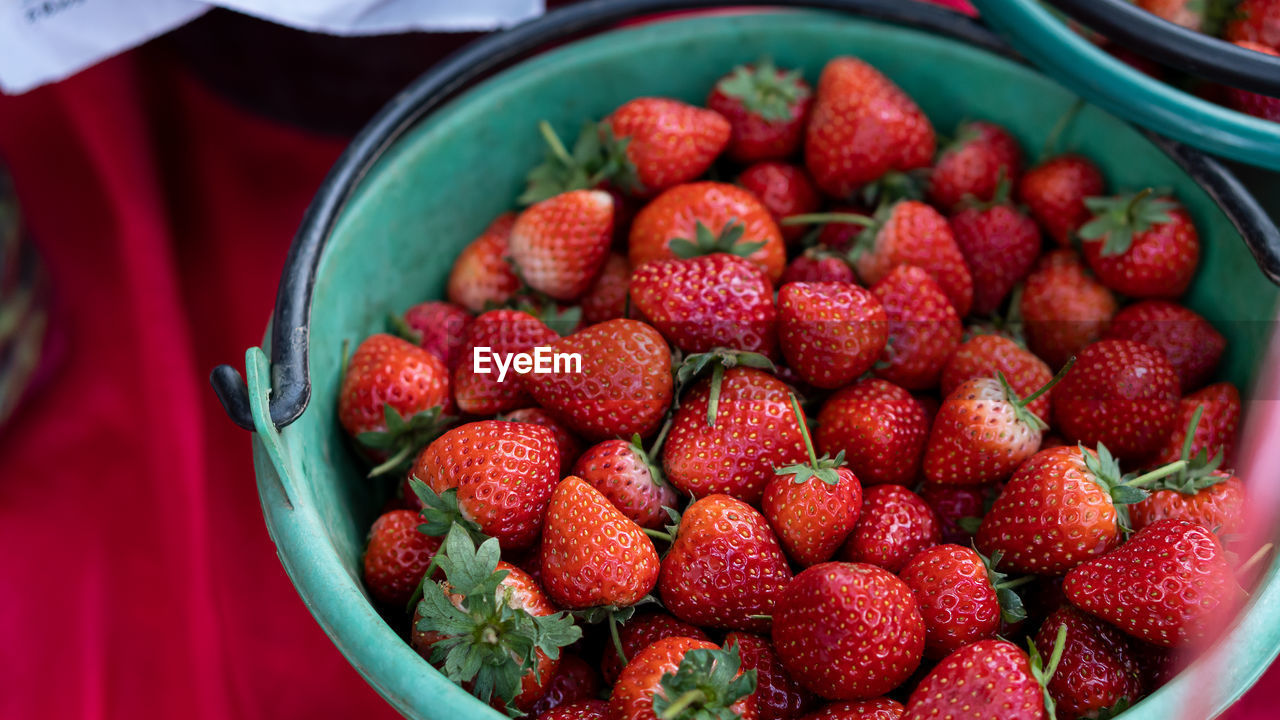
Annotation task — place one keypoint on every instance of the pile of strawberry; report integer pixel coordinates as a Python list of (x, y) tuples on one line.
[(1014, 497)]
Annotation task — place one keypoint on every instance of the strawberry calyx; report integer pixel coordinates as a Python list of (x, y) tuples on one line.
[(486, 643), (718, 360), (1020, 409), (1107, 713), (1043, 672), (823, 468), (1117, 219), (403, 438), (1200, 471), (402, 329), (1000, 197), (1124, 490), (704, 687), (441, 513), (1012, 609), (597, 158), (563, 320), (705, 242), (865, 240), (764, 91)]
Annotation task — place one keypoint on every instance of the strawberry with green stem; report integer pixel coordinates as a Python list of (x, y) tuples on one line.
[(778, 695), (1098, 673), (766, 108), (785, 190), (624, 472), (986, 355), (597, 159), (639, 632), (1142, 245), (1216, 430), (1055, 190), (667, 142), (684, 679), (396, 557)]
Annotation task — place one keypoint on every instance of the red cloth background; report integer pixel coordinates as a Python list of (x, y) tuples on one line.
[(139, 580)]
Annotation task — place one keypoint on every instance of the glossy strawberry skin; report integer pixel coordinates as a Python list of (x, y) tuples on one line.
[(620, 473), (1000, 245), (1256, 21), (881, 708), (396, 557), (956, 600), (670, 142), (830, 333), (386, 370), (585, 709), (1220, 507), (1097, 668), (677, 212), (778, 697), (721, 538), (442, 327), (638, 633), (1216, 431), (607, 298), (974, 167), (1190, 343), (1159, 263), (1169, 585), (924, 328), (977, 437), (812, 519), (504, 473), (755, 432), (624, 387), (561, 243), (986, 355), (952, 503), (1051, 516), (481, 276), (895, 525), (816, 266), (848, 631), (1055, 190), (1120, 393), (755, 138), (573, 690), (641, 680), (570, 446), (881, 429), (1064, 308), (988, 679), (706, 302), (785, 190), (863, 126), (916, 234), (505, 333)]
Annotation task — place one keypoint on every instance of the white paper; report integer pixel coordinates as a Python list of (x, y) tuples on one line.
[(376, 17)]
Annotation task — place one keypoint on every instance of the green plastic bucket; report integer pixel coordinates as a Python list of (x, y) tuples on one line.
[(382, 235)]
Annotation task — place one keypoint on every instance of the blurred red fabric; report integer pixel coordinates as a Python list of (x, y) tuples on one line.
[(139, 578)]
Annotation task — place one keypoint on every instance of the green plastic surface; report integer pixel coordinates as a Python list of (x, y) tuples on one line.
[(440, 186)]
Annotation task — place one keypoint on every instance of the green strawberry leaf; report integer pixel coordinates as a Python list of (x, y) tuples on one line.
[(764, 91), (705, 242), (441, 512), (1108, 713), (1117, 219), (969, 524), (597, 158), (403, 438), (704, 687), (1043, 672)]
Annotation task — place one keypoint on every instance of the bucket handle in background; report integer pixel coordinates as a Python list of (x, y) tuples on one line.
[(1192, 52)]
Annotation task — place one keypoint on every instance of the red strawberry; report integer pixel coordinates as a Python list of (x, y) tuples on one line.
[(1054, 191), (753, 433), (572, 689), (982, 156), (681, 679), (880, 429), (1190, 343), (924, 328), (785, 190), (624, 386), (707, 302), (812, 507), (983, 432), (1063, 307), (830, 333), (1186, 13), (1121, 393), (570, 447), (592, 554), (724, 568), (1252, 103), (670, 142), (1141, 245), (1215, 501), (960, 598), (396, 557), (954, 503), (706, 217), (881, 708), (494, 476), (481, 276), (988, 679), (1214, 433), (988, 355), (391, 397), (817, 265), (848, 631), (1059, 510), (895, 524), (1000, 245), (505, 333), (640, 632), (843, 235), (439, 328), (1170, 584), (766, 108), (1097, 670), (576, 710), (778, 697), (862, 127), (561, 243), (623, 473), (607, 298), (488, 626), (1256, 21)]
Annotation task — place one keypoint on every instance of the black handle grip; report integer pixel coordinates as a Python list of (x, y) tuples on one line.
[(1192, 52)]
